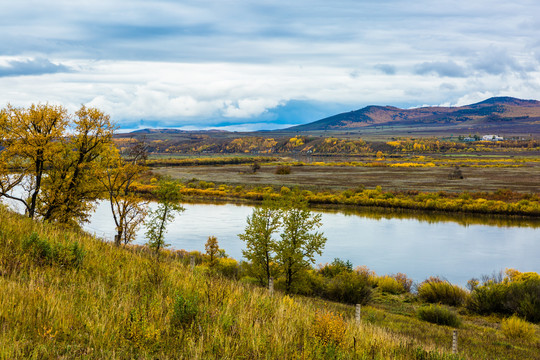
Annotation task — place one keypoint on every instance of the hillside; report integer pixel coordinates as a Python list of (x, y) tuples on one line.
[(67, 295), (496, 114)]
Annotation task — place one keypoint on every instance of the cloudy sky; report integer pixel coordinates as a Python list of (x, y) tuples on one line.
[(261, 64)]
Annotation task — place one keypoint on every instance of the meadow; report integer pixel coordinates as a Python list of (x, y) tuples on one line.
[(68, 295), (483, 185)]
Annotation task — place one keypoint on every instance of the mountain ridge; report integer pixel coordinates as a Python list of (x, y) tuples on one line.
[(487, 113)]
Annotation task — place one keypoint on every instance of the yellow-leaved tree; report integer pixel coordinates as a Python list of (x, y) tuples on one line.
[(72, 185), (50, 164), (128, 209), (30, 142)]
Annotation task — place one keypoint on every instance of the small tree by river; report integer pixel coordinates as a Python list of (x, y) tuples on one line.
[(296, 249), (168, 194)]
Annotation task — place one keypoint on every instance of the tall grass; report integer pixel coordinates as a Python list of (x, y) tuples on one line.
[(121, 303)]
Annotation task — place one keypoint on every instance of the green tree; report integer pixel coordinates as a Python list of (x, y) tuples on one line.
[(296, 250), (258, 236), (168, 194)]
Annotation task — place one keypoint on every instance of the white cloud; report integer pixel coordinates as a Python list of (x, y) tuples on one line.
[(202, 62)]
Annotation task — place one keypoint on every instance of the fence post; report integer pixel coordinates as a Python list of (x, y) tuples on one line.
[(271, 285), (192, 262), (454, 342), (357, 315)]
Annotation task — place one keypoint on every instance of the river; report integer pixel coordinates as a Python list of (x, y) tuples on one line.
[(423, 245)]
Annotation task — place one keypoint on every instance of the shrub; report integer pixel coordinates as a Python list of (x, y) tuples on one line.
[(256, 166), (335, 268), (438, 315), (435, 290), (283, 170), (520, 296), (42, 252), (519, 330), (404, 281), (488, 298), (37, 249), (328, 328), (68, 255), (227, 267), (390, 285), (184, 310), (348, 287)]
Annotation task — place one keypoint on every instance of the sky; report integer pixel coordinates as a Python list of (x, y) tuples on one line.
[(252, 65)]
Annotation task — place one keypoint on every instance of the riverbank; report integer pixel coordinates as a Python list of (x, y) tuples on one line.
[(87, 298), (500, 203)]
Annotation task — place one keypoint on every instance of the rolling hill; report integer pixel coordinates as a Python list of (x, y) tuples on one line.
[(497, 114)]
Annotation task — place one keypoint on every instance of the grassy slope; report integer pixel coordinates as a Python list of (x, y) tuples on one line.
[(120, 304)]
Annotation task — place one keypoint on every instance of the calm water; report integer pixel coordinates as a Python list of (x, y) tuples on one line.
[(420, 248)]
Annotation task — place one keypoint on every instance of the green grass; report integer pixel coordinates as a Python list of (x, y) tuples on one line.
[(120, 303)]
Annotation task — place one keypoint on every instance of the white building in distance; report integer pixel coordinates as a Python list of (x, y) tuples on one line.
[(492, 138)]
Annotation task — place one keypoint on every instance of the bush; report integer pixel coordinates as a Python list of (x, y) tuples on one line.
[(37, 249), (283, 170), (328, 328), (438, 315), (227, 267), (520, 296), (42, 252), (335, 268), (348, 288), (489, 298), (390, 285), (519, 330), (184, 310), (435, 290), (404, 281)]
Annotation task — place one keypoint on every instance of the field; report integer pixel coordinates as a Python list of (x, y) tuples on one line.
[(524, 178)]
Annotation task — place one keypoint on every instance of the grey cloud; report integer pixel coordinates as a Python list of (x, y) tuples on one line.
[(446, 68), (496, 62), (386, 69), (37, 66)]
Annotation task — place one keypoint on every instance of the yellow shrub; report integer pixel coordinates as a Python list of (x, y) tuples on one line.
[(328, 328), (390, 285), (517, 329), (513, 275)]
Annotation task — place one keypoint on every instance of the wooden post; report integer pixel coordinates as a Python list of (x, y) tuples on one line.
[(357, 315), (454, 342), (192, 262), (271, 285)]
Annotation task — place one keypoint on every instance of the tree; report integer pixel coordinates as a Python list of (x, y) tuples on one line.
[(168, 194), (298, 245), (258, 236), (212, 249), (71, 187), (128, 209), (52, 165), (30, 139)]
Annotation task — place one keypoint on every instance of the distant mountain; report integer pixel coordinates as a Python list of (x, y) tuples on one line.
[(494, 113)]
